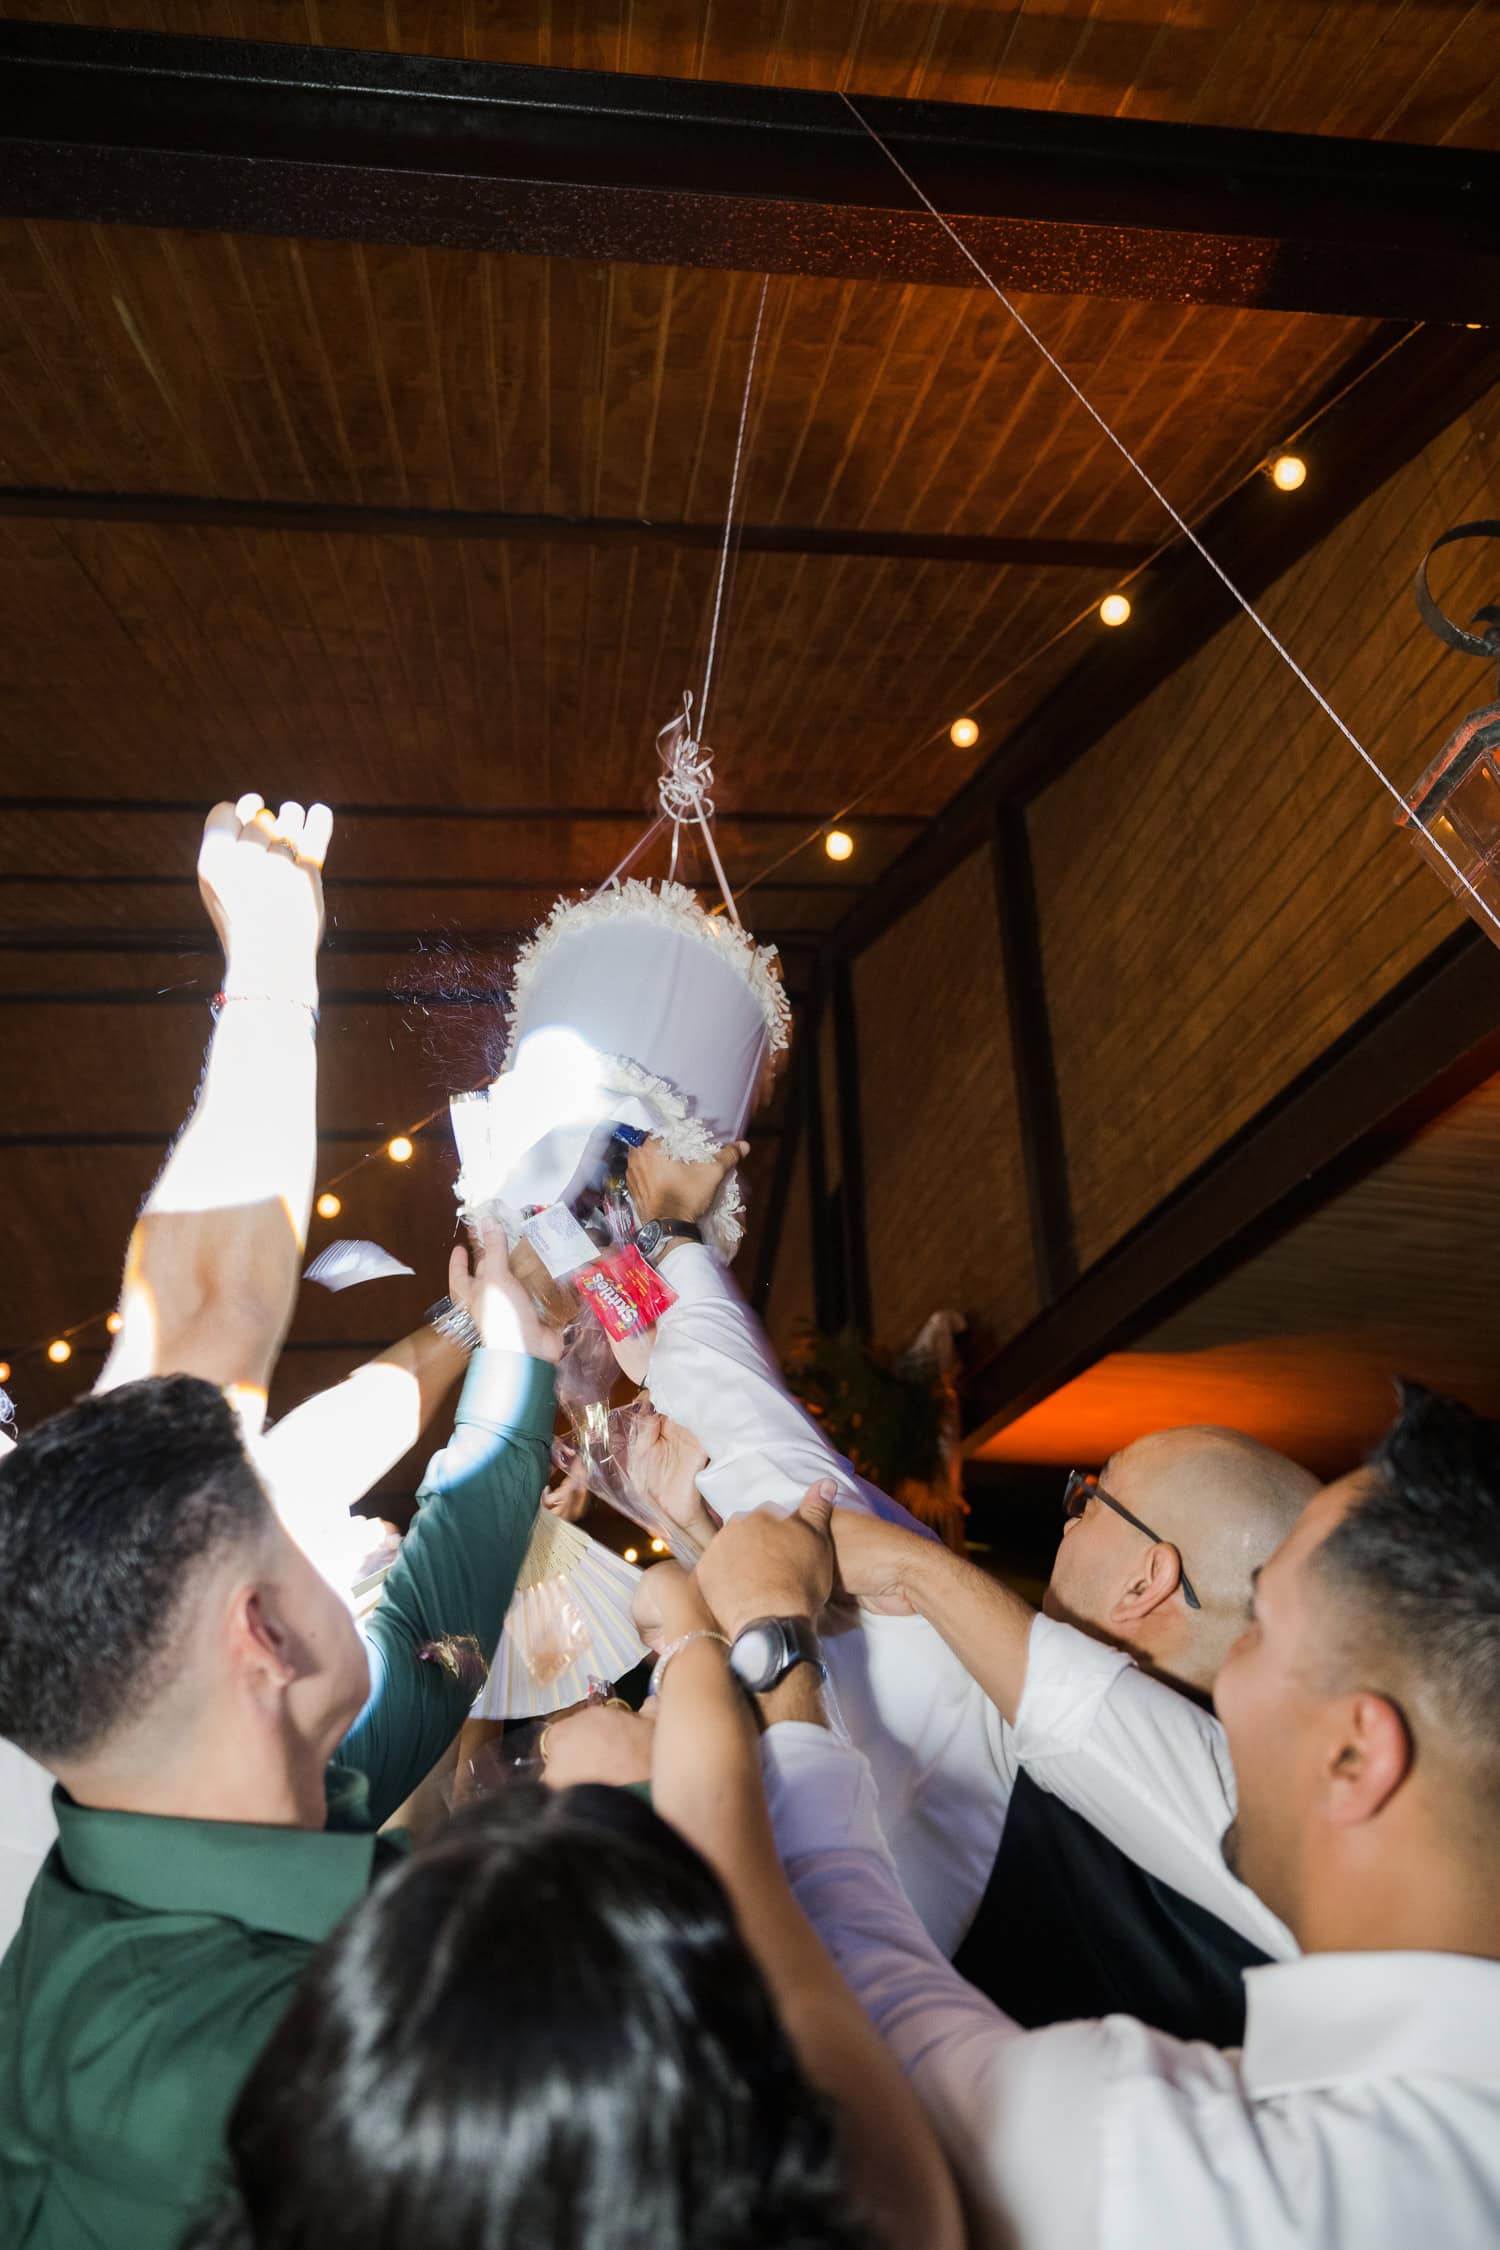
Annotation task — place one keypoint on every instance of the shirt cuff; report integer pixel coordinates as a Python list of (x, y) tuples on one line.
[(820, 1792), (509, 1391), (1068, 1676)]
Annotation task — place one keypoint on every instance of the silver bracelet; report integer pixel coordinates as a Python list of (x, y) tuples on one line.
[(675, 1648), (455, 1322)]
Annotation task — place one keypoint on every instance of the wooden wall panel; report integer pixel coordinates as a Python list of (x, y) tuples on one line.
[(1221, 889), (790, 1308), (944, 1192)]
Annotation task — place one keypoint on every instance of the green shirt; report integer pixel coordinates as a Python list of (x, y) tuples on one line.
[(156, 1956)]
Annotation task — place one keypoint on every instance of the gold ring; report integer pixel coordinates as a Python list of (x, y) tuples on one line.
[(541, 1740)]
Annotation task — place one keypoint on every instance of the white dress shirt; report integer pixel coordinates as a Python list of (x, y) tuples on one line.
[(1363, 2112), (1144, 1764), (28, 1830)]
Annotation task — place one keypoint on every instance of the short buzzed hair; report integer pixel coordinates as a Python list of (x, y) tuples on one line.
[(108, 1513), (1418, 1557)]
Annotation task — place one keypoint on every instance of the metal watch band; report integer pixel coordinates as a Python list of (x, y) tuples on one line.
[(764, 1651), (456, 1323)]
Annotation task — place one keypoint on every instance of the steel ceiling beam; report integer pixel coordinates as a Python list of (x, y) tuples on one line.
[(139, 128)]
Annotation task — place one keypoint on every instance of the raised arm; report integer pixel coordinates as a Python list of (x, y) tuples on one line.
[(706, 1781), (446, 1595), (1146, 1765), (212, 1264)]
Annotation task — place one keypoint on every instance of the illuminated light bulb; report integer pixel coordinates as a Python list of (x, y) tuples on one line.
[(1288, 471), (964, 733), (329, 1205), (113, 1323), (1114, 609), (658, 1546), (838, 845), (1473, 324), (59, 1350), (4, 1370), (399, 1150), (631, 1555)]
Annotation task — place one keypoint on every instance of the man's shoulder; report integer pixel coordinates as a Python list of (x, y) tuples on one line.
[(125, 2036)]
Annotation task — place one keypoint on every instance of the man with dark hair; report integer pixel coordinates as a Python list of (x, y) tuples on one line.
[(1362, 1711), (226, 1745)]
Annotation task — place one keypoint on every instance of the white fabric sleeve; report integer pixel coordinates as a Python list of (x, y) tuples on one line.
[(1147, 1766), (713, 1371), (1015, 2111)]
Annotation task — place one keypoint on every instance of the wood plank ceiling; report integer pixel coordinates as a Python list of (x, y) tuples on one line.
[(149, 667)]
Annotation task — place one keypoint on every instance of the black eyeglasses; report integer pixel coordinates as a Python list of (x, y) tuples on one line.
[(1081, 1488)]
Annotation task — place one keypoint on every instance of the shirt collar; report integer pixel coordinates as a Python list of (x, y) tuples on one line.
[(294, 1882), (1341, 2016)]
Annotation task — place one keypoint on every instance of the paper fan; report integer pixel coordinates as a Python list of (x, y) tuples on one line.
[(569, 1621)]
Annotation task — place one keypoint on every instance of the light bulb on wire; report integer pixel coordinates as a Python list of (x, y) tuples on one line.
[(113, 1323), (4, 1370), (658, 1546), (1288, 472), (838, 844), (964, 733), (399, 1150), (59, 1351), (631, 1555), (1114, 609), (329, 1205)]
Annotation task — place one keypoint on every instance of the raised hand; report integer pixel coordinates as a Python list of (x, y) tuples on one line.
[(262, 882), (664, 1187), (494, 1299), (766, 1564)]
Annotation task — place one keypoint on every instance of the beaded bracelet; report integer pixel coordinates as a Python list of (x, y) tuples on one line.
[(674, 1648)]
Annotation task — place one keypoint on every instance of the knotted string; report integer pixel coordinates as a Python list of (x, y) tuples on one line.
[(686, 780)]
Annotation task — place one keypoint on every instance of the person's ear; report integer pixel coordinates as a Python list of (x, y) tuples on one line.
[(259, 1644), (1153, 1581), (1369, 1755)]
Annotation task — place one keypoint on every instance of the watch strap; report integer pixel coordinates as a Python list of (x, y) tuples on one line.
[(455, 1322)]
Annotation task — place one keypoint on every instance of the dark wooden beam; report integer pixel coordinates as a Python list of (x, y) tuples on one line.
[(1409, 1058), (188, 512), (125, 808), (141, 129), (854, 1246), (1387, 418), (23, 878), (370, 1137), (436, 945), (1039, 1114)]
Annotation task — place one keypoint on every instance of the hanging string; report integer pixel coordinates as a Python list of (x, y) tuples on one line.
[(1160, 497), (687, 762)]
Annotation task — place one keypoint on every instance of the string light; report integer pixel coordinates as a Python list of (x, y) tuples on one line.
[(1288, 471), (113, 1323), (964, 733), (1114, 609), (658, 1546), (631, 1555), (4, 1370), (838, 844), (399, 1150), (329, 1205), (59, 1351)]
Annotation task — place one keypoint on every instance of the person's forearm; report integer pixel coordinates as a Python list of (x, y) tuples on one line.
[(320, 1460), (984, 1623), (445, 1598), (706, 1781), (212, 1265)]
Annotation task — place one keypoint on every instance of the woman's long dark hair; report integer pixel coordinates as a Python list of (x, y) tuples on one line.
[(543, 2032)]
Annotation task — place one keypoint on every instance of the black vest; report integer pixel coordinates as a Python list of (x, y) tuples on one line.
[(1070, 1927)]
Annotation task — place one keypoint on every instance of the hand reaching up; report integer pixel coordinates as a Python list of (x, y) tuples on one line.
[(766, 1564), (664, 1187), (494, 1299), (261, 879)]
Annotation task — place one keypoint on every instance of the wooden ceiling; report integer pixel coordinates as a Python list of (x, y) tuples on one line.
[(483, 709)]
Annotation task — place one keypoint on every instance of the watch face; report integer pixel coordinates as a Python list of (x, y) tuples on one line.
[(649, 1237), (757, 1654)]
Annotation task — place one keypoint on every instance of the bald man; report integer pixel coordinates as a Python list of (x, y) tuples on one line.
[(1120, 1787)]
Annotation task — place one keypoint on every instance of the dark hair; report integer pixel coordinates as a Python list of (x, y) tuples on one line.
[(106, 1512), (1419, 1554), (543, 2030)]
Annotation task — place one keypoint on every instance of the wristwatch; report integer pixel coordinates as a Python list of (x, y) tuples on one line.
[(455, 1322), (764, 1651), (652, 1233)]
